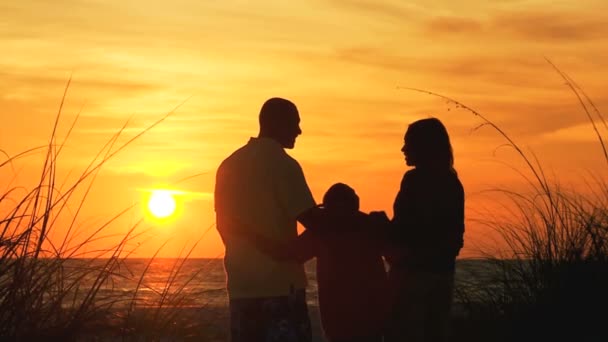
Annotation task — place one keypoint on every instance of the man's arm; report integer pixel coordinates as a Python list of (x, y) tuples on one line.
[(313, 217), (295, 197), (301, 249)]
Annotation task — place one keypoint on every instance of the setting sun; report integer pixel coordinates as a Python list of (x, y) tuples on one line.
[(161, 203)]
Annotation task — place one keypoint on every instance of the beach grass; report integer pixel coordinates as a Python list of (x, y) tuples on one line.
[(42, 294), (549, 281)]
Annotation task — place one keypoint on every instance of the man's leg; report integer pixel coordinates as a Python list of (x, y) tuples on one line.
[(289, 318), (270, 319), (247, 323)]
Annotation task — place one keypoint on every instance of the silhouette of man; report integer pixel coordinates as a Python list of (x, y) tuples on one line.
[(260, 187)]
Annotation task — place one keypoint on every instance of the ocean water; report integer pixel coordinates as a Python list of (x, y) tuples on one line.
[(186, 283)]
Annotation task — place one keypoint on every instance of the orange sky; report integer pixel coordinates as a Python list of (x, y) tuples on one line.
[(340, 61)]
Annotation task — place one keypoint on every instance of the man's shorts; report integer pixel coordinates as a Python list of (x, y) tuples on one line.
[(270, 319)]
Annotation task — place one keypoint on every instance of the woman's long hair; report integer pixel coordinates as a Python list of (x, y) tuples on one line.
[(427, 144)]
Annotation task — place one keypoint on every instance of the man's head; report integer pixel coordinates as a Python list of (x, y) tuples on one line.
[(280, 120)]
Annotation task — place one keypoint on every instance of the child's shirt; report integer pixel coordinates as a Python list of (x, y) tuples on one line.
[(351, 276)]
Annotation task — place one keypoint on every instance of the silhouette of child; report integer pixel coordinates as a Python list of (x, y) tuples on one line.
[(427, 228), (351, 276)]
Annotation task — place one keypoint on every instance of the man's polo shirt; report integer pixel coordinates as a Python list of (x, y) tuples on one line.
[(260, 187)]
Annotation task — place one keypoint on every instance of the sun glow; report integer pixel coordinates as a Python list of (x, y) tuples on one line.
[(161, 203)]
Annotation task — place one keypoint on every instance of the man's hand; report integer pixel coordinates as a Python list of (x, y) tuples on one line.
[(313, 217)]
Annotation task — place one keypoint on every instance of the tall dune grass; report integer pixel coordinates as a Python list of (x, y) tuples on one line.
[(41, 280), (551, 281)]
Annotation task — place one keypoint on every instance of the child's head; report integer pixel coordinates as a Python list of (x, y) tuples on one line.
[(341, 197), (427, 144)]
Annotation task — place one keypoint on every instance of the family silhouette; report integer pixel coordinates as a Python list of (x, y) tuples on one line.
[(260, 196)]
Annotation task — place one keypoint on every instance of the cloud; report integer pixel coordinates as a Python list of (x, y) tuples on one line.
[(552, 26), (453, 25), (521, 94), (576, 133), (503, 69), (26, 80), (376, 57), (381, 8), (532, 25), (189, 195)]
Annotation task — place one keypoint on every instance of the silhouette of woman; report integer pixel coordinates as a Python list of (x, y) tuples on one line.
[(427, 233)]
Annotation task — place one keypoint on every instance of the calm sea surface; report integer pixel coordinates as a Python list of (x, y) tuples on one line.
[(190, 283)]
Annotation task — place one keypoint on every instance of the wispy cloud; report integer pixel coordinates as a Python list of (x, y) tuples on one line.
[(454, 25), (23, 79), (553, 26), (390, 9)]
